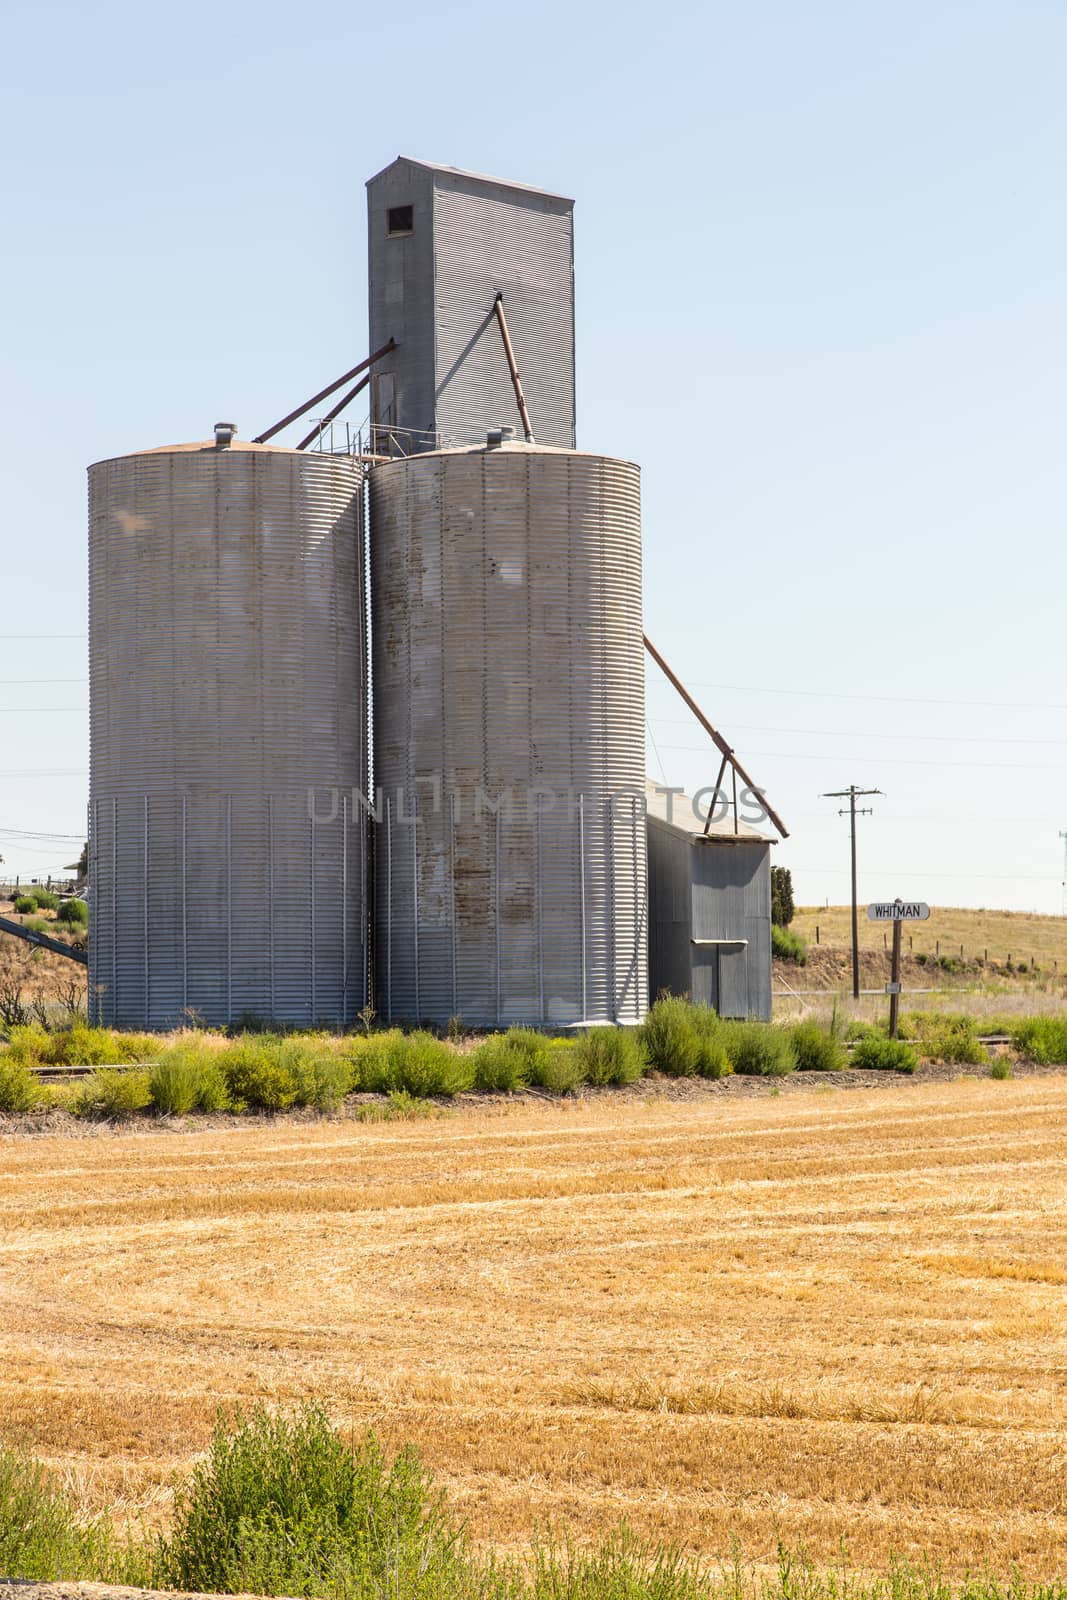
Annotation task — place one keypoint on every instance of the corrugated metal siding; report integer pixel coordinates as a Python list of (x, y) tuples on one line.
[(401, 287), (508, 655), (521, 246), (715, 892), (434, 292), (670, 923), (732, 900), (227, 677)]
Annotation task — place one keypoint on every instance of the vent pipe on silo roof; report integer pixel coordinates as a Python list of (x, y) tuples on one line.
[(224, 432)]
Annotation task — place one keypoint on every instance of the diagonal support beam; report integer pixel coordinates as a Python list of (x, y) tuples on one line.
[(714, 735), (516, 381), (268, 433), (345, 400)]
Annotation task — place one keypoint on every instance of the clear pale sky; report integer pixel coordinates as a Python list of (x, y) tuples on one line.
[(820, 271)]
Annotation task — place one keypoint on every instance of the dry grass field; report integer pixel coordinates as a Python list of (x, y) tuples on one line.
[(838, 1317), (1022, 935)]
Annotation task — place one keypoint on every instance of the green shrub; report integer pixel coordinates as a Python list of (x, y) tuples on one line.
[(398, 1107), (286, 1506), (608, 1055), (759, 1049), (38, 925), (19, 1089), (817, 1049), (41, 1536), (74, 912), (560, 1069), (890, 1055), (1001, 1068), (185, 1079), (669, 1037), (713, 1055), (500, 1064), (44, 899), (944, 1036), (111, 1093), (1042, 1039), (255, 1076), (788, 946), (25, 905), (322, 1078), (416, 1063)]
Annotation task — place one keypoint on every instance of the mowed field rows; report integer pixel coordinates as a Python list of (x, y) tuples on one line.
[(838, 1318)]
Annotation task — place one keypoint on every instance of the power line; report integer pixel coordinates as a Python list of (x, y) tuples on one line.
[(889, 699), (875, 733), (24, 833), (892, 761)]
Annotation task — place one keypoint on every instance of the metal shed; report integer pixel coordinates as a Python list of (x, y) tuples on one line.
[(442, 245), (709, 901)]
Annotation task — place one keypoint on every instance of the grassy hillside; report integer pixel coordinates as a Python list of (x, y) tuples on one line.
[(980, 935)]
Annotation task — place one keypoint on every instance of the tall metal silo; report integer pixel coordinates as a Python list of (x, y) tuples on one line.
[(227, 735), (509, 737)]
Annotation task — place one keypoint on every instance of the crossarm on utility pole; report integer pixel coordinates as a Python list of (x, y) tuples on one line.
[(516, 381), (715, 736)]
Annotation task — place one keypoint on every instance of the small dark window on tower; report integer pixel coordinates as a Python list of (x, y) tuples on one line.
[(400, 220)]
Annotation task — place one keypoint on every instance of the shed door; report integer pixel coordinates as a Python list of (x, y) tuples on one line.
[(733, 980), (720, 976)]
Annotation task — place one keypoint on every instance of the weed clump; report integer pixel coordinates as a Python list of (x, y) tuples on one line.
[(945, 1036), (560, 1069), (112, 1093), (285, 1505), (759, 1049), (877, 1051), (817, 1049), (19, 1089), (682, 1039), (1042, 1039), (608, 1055), (416, 1063), (504, 1061), (41, 1536)]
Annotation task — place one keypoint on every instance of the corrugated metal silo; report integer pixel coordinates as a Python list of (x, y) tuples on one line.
[(509, 724), (227, 685)]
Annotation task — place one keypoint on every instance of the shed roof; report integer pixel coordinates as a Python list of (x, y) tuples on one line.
[(473, 177), (675, 810)]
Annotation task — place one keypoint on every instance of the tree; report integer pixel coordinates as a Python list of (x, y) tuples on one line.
[(782, 907)]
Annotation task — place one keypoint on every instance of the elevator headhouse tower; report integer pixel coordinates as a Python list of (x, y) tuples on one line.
[(443, 245)]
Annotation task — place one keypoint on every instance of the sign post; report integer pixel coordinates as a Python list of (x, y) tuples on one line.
[(896, 912)]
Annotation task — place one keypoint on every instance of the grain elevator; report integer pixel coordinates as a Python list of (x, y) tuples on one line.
[(367, 710)]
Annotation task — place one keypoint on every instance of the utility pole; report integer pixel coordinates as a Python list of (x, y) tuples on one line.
[(1063, 908), (852, 794)]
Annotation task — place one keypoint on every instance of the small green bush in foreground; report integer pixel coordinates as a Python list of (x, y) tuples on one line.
[(42, 1536), (944, 1036), (1001, 1068), (284, 1505), (759, 1049), (416, 1063), (504, 1061), (884, 1054), (44, 899), (112, 1093), (682, 1039), (25, 905), (186, 1079), (19, 1089), (608, 1055), (1042, 1039), (817, 1049), (560, 1069)]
